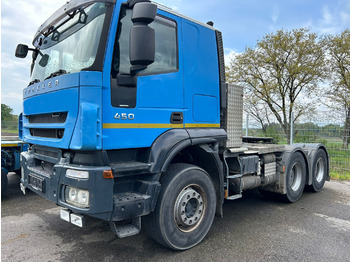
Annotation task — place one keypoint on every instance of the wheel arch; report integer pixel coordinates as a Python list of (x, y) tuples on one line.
[(176, 146), (280, 186), (205, 156)]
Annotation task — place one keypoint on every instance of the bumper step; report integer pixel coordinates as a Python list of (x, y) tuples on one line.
[(126, 230)]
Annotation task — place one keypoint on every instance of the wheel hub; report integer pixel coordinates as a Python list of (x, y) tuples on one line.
[(295, 177), (189, 208), (320, 170)]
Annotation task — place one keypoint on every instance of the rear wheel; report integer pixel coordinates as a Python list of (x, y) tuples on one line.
[(185, 208), (319, 170), (295, 177)]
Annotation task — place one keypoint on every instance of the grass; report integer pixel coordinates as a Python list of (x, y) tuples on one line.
[(13, 131), (342, 177)]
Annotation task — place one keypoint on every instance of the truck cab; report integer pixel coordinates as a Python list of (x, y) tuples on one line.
[(118, 89)]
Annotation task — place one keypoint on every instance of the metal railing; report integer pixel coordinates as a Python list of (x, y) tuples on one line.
[(330, 132)]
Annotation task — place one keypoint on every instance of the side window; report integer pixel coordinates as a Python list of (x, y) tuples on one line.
[(166, 57), (166, 47)]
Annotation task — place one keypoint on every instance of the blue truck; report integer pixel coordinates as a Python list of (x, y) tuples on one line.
[(130, 120)]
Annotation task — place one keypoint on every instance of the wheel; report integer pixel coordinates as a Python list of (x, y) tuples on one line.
[(4, 181), (185, 208), (319, 170), (295, 177)]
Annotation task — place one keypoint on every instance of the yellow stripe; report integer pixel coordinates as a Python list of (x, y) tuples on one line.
[(201, 125), (143, 125), (8, 145), (121, 126)]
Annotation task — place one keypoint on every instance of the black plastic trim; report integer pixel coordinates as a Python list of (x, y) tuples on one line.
[(165, 146), (221, 56), (207, 133), (176, 118), (170, 143)]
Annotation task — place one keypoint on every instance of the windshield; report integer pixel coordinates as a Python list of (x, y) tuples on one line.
[(72, 45)]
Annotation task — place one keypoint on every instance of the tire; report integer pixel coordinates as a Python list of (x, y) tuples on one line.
[(295, 178), (4, 181), (185, 208), (319, 171)]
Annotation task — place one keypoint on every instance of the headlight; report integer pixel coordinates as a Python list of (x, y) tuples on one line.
[(77, 197), (77, 174)]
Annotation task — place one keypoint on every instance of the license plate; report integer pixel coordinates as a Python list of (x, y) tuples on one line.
[(37, 183)]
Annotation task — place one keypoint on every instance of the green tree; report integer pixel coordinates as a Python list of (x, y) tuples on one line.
[(6, 113), (338, 48), (282, 67)]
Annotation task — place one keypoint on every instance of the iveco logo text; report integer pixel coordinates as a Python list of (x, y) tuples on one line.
[(27, 91)]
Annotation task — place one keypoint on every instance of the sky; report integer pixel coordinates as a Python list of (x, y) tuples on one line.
[(242, 22)]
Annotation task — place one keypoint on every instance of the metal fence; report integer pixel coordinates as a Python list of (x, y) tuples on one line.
[(329, 131), (9, 128)]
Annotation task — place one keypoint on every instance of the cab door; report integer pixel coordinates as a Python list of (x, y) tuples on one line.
[(133, 117)]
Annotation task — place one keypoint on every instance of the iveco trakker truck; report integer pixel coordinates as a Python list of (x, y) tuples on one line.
[(129, 120)]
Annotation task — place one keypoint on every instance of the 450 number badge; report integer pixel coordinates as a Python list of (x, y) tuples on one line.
[(124, 116)]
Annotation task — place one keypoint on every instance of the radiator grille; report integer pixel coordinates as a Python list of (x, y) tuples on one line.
[(52, 118), (46, 153), (48, 133)]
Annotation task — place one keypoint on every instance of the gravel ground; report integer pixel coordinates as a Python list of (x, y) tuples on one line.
[(316, 228)]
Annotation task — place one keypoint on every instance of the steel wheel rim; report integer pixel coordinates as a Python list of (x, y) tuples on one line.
[(295, 176), (189, 208), (320, 170)]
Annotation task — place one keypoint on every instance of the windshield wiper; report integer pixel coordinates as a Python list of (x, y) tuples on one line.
[(57, 73), (34, 81)]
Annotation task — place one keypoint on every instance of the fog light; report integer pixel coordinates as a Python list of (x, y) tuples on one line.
[(65, 214), (77, 174), (77, 197), (77, 220)]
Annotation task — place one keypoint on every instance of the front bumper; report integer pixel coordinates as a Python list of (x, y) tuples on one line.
[(44, 172)]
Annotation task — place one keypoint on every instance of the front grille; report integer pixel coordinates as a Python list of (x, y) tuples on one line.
[(52, 118), (46, 153), (48, 133)]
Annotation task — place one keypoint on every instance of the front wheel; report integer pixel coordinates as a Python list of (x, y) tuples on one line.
[(185, 208)]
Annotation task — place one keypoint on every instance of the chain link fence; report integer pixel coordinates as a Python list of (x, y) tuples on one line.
[(9, 128), (329, 131)]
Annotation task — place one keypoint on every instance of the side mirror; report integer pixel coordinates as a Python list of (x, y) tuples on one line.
[(21, 51), (44, 60), (142, 37)]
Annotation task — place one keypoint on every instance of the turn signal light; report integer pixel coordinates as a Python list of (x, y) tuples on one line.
[(108, 174)]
